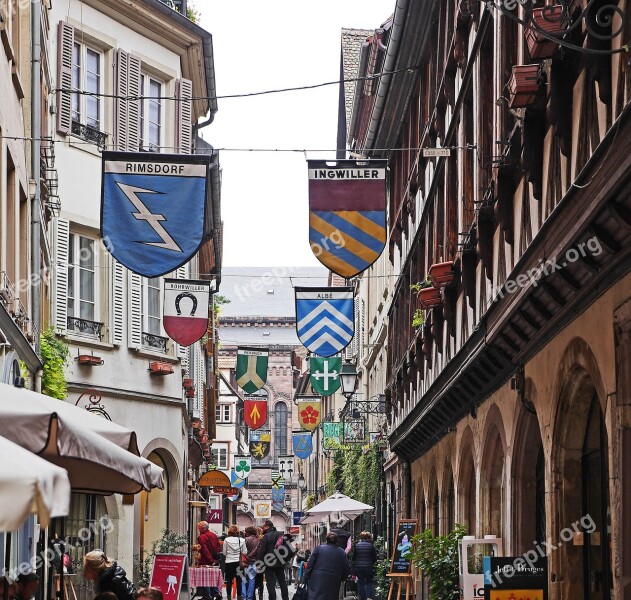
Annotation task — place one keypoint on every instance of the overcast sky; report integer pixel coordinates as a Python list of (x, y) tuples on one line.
[(263, 46)]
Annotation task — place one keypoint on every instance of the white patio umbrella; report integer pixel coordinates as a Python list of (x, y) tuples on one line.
[(30, 485), (99, 455), (334, 508)]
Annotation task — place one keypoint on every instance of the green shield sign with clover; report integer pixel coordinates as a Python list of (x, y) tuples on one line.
[(243, 466)]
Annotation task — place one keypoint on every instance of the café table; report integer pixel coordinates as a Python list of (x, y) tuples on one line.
[(205, 577)]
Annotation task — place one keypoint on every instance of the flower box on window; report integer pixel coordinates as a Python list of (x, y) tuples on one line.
[(160, 368), (89, 360), (549, 19), (523, 86), (442, 274), (429, 297)]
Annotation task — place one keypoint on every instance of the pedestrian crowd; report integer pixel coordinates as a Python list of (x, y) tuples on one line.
[(248, 560)]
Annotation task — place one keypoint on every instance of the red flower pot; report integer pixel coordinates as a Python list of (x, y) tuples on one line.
[(89, 360), (190, 392), (549, 20), (429, 297), (523, 86), (160, 368), (187, 383), (442, 274)]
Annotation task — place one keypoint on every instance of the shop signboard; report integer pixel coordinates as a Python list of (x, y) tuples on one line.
[(401, 563), (471, 553), (167, 574), (516, 578)]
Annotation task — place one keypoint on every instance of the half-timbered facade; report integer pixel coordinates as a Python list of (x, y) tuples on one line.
[(509, 403)]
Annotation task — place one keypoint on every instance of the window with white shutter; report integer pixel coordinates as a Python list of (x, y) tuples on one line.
[(117, 302), (61, 233), (151, 114), (183, 116), (134, 310), (83, 286), (200, 376), (127, 106), (65, 45)]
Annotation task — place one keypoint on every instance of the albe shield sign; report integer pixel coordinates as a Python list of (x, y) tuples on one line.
[(325, 318), (153, 209), (185, 317), (251, 370), (347, 213), (324, 374)]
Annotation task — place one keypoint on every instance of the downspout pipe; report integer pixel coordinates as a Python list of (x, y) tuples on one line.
[(394, 41), (359, 89), (36, 131)]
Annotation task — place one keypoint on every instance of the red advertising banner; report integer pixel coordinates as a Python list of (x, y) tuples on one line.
[(167, 573)]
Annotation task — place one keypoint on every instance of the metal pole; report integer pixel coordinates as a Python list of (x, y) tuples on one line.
[(36, 127)]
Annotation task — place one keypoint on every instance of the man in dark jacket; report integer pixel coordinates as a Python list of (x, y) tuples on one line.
[(272, 557), (343, 538), (364, 559), (327, 570)]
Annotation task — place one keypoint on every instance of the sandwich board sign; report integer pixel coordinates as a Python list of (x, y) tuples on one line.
[(167, 574)]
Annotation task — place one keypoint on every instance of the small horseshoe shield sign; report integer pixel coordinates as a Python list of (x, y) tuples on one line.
[(186, 303)]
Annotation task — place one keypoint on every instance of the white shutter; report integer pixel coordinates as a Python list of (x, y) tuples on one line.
[(121, 88), (61, 232), (133, 106), (65, 44), (183, 115), (118, 302), (134, 310)]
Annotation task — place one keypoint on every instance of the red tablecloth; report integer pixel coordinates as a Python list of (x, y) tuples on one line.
[(205, 577)]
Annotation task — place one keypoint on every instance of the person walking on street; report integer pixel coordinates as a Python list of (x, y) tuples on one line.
[(274, 563), (208, 554), (109, 576), (233, 546), (258, 581), (252, 543), (364, 559), (328, 568)]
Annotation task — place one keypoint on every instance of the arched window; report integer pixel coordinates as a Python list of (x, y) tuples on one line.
[(280, 429)]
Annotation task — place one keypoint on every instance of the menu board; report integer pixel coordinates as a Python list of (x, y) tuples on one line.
[(401, 563), (167, 574)]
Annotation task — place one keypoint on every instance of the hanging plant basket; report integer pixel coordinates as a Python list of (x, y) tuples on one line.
[(429, 297), (442, 274), (523, 86), (89, 360), (549, 19), (160, 368)]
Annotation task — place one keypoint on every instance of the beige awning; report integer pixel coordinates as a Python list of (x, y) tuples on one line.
[(99, 455), (30, 485)]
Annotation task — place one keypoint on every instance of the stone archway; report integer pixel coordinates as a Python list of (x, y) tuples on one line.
[(528, 490), (580, 486), (448, 500), (466, 484), (492, 475)]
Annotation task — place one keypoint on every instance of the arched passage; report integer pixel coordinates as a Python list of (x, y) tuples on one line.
[(467, 489), (492, 475)]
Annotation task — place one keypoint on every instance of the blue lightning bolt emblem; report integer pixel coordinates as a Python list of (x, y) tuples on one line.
[(153, 219)]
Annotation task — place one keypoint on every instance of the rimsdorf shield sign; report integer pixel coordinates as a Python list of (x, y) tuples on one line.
[(324, 374), (153, 209), (251, 370), (302, 444), (185, 317), (347, 213), (324, 318)]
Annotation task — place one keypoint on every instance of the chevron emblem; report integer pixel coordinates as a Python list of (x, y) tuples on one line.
[(324, 319)]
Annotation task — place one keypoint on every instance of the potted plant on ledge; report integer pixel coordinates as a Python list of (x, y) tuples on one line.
[(428, 295)]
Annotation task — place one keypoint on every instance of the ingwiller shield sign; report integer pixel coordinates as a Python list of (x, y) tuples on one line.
[(347, 213), (153, 209), (185, 317)]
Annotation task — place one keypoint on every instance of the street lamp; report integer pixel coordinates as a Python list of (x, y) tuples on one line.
[(348, 376), (302, 483)]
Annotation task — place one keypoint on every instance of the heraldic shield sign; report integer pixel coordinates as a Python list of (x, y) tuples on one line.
[(302, 443), (251, 371), (324, 318), (153, 209), (255, 412), (243, 465), (324, 374), (259, 444), (309, 412), (347, 213), (185, 317)]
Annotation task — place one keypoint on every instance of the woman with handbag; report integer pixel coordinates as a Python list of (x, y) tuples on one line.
[(233, 547), (247, 563)]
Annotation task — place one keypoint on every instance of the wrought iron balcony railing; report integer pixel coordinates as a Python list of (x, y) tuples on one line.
[(89, 134), (155, 342), (84, 326)]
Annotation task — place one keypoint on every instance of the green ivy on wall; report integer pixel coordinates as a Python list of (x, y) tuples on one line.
[(54, 357), (356, 472)]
